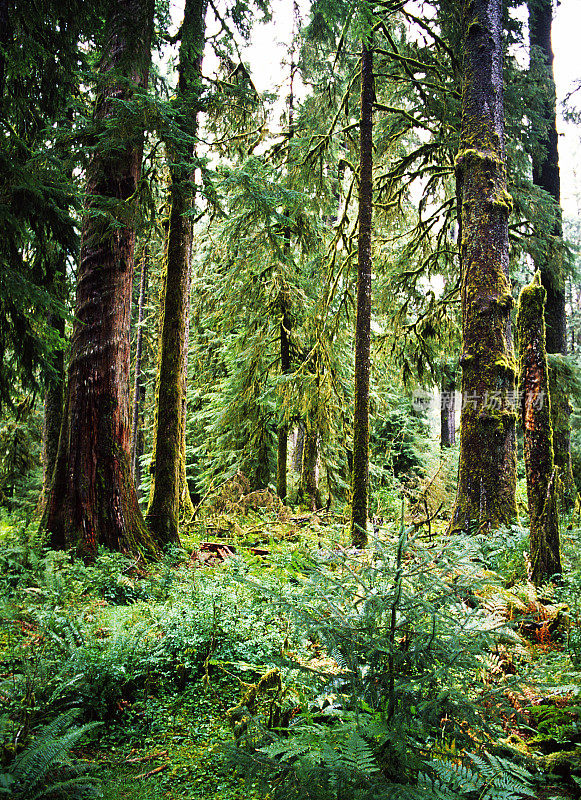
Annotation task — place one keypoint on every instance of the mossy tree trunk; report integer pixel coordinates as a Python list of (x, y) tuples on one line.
[(138, 382), (487, 468), (163, 510), (549, 255), (447, 410), (360, 480), (186, 507), (92, 500), (309, 494), (538, 438), (54, 398), (285, 367)]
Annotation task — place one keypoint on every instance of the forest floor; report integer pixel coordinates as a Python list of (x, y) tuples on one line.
[(161, 656)]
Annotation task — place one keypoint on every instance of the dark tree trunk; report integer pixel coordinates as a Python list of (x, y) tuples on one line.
[(285, 321), (138, 382), (549, 256), (186, 509), (538, 439), (360, 482), (487, 469), (309, 494), (448, 411), (163, 511), (285, 366), (92, 500), (299, 447)]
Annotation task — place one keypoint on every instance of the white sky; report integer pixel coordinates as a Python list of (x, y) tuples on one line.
[(270, 43)]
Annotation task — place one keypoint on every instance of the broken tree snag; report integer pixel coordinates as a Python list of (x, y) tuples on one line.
[(487, 468), (535, 409)]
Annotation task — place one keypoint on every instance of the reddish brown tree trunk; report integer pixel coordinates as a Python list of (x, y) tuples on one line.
[(360, 481), (92, 500)]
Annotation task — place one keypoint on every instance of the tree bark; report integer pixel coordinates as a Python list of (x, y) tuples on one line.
[(549, 256), (285, 366), (138, 383), (309, 494), (92, 500), (487, 468), (535, 408), (163, 511), (360, 483), (448, 411)]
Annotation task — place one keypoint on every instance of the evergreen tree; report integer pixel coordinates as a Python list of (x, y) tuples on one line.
[(535, 411), (549, 252), (92, 500), (487, 469), (363, 318), (164, 504)]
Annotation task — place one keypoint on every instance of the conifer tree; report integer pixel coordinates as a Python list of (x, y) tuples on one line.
[(363, 318), (93, 500), (535, 412), (487, 469), (549, 253), (164, 504)]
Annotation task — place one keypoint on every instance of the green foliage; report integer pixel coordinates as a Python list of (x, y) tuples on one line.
[(407, 648), (36, 772)]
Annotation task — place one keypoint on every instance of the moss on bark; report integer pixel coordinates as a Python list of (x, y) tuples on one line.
[(487, 467), (164, 506), (360, 476), (92, 499), (535, 412)]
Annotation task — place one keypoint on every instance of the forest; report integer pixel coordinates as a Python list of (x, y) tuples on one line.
[(290, 400)]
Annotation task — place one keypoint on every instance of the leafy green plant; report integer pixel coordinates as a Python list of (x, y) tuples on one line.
[(403, 692), (40, 770)]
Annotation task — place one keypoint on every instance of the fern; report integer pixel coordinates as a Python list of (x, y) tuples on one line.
[(28, 776)]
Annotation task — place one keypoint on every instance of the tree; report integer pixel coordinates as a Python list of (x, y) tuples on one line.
[(549, 253), (164, 504), (363, 317), (487, 469), (535, 410), (92, 500)]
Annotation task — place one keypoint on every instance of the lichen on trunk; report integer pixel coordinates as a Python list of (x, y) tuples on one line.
[(487, 468), (535, 409)]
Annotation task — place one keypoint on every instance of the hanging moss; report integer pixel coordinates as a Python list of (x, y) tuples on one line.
[(535, 412)]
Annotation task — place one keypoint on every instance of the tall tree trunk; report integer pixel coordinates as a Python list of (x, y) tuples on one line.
[(92, 500), (487, 469), (285, 366), (138, 382), (299, 446), (447, 411), (309, 494), (538, 439), (549, 257), (186, 508), (360, 482), (163, 511)]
